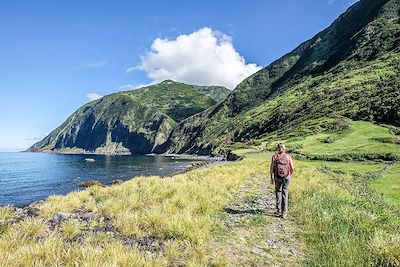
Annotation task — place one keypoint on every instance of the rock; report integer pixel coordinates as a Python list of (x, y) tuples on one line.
[(272, 243), (89, 160), (36, 203), (91, 183), (117, 181), (109, 228), (261, 252), (87, 216), (60, 216), (32, 211), (230, 156)]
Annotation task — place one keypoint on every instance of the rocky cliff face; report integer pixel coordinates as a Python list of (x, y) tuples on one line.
[(132, 122), (350, 69)]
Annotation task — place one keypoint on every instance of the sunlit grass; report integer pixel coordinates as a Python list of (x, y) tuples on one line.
[(71, 228), (6, 213), (361, 141), (350, 167), (341, 219), (66, 203), (32, 227), (177, 211), (361, 137), (389, 186)]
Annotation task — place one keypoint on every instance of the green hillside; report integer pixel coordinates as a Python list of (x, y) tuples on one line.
[(218, 93), (349, 70), (129, 122)]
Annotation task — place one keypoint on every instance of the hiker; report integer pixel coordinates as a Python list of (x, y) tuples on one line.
[(281, 170)]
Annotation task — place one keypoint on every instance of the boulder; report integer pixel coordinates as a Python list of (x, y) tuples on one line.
[(87, 216), (91, 183), (32, 211), (60, 216), (117, 181)]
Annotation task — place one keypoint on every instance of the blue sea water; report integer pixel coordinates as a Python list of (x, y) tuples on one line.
[(27, 177)]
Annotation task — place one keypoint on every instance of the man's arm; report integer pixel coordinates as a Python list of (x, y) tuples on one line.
[(271, 170), (291, 164)]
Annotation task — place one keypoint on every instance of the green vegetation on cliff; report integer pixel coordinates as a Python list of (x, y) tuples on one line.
[(350, 70)]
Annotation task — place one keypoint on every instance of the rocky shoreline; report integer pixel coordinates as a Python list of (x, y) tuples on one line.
[(103, 224), (204, 162), (229, 156)]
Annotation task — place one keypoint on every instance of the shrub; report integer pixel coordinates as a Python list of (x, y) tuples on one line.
[(71, 228), (32, 227), (329, 139), (6, 213)]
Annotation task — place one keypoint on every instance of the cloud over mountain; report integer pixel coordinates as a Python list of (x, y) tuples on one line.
[(93, 96), (205, 57)]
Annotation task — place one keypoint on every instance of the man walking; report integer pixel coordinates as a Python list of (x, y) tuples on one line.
[(281, 170)]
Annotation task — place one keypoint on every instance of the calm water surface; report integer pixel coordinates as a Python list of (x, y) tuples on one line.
[(27, 177)]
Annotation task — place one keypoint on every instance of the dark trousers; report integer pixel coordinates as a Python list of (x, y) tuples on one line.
[(282, 194)]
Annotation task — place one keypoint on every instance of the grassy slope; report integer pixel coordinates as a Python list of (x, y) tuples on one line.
[(335, 93), (359, 141), (336, 218), (389, 186), (350, 69), (348, 211), (218, 93)]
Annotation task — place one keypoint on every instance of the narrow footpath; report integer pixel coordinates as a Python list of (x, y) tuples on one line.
[(250, 234)]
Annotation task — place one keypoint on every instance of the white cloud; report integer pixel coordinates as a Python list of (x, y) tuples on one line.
[(94, 64), (131, 69), (204, 57), (128, 87), (93, 96)]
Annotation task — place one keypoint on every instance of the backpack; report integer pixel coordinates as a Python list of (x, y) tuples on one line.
[(281, 164)]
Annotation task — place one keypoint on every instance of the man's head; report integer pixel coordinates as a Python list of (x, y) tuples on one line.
[(281, 147)]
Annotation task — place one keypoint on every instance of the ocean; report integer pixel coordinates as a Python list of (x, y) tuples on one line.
[(28, 177)]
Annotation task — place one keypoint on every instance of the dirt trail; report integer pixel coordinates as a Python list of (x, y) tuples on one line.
[(250, 234)]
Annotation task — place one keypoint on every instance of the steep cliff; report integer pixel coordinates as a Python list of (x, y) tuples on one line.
[(129, 122), (351, 69)]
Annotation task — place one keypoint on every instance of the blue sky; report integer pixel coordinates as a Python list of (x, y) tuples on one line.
[(55, 55)]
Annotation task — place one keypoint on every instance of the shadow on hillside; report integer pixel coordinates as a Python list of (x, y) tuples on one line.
[(237, 211)]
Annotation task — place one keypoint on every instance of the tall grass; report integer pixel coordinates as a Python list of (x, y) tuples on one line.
[(343, 222), (6, 213), (176, 211)]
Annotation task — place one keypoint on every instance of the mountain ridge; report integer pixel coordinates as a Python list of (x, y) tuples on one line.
[(129, 122), (350, 69)]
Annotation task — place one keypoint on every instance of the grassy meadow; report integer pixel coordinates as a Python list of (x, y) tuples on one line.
[(342, 213)]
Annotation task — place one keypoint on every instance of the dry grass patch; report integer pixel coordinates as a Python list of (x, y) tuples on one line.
[(177, 211)]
